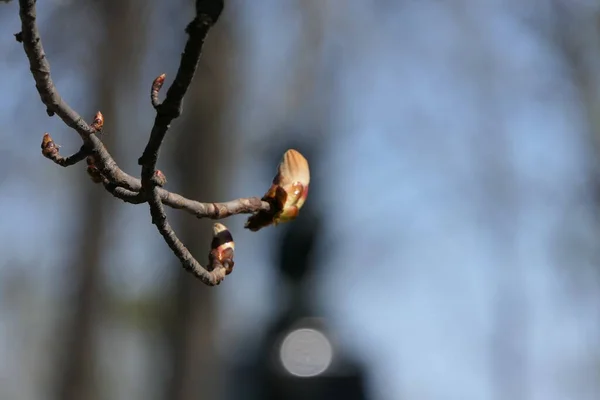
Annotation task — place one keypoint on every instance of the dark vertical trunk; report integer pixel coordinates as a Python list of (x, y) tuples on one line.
[(75, 379), (197, 156), (509, 359)]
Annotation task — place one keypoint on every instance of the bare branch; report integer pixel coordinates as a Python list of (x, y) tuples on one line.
[(40, 69), (126, 195), (279, 206), (207, 13), (189, 263), (250, 205)]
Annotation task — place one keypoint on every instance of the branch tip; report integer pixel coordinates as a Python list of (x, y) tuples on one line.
[(50, 150), (49, 147), (157, 84), (287, 193)]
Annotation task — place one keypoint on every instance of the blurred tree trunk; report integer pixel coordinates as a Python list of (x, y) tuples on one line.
[(579, 41), (510, 304), (198, 154), (502, 203), (75, 380), (580, 46)]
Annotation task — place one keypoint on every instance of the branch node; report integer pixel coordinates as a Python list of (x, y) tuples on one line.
[(94, 174), (143, 160), (93, 171), (159, 179), (19, 37), (126, 195)]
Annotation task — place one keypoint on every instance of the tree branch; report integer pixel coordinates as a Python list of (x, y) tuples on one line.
[(103, 168), (207, 13), (40, 69), (249, 205)]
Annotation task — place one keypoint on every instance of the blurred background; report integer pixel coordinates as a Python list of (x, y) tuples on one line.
[(449, 248)]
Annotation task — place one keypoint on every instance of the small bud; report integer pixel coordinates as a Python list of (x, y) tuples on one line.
[(222, 249), (94, 174), (98, 122), (49, 148), (156, 86), (92, 170), (287, 194), (159, 178)]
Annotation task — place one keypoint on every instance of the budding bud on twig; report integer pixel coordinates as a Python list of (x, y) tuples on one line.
[(49, 148), (98, 122), (159, 178), (156, 86), (222, 249), (287, 194), (92, 171)]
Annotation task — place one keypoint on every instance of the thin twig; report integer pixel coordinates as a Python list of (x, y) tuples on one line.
[(249, 205), (156, 86), (126, 195), (40, 69), (189, 263), (51, 152), (207, 13)]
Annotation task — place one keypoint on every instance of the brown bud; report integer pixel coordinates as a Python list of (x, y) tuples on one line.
[(94, 174), (98, 122), (156, 86), (92, 170), (287, 194), (49, 148), (222, 249), (158, 82), (159, 178)]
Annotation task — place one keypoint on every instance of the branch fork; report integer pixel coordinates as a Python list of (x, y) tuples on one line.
[(280, 204)]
